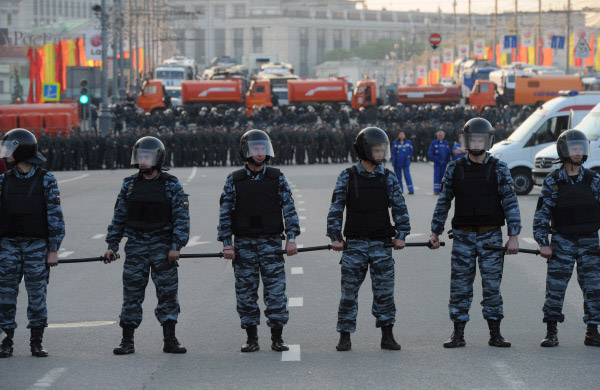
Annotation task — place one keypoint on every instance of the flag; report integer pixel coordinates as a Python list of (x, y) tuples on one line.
[(32, 73)]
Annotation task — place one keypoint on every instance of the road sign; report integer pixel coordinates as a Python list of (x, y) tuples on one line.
[(50, 92), (510, 41), (582, 49), (435, 40), (558, 42)]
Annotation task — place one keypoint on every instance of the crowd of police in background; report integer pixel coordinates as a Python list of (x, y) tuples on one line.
[(300, 135)]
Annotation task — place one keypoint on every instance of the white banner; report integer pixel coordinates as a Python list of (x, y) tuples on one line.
[(448, 55), (548, 34), (504, 49), (421, 71), (93, 45), (463, 51), (435, 62), (478, 47), (527, 38), (409, 77)]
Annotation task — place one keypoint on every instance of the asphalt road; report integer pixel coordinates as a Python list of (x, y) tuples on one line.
[(84, 303)]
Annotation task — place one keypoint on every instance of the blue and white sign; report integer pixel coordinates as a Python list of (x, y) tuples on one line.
[(558, 42), (510, 41), (51, 92)]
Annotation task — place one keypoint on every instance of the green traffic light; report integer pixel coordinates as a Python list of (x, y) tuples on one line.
[(84, 99)]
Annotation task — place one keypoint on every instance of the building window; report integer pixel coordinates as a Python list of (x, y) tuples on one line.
[(338, 15), (353, 16), (370, 36), (238, 43), (60, 10), (321, 34), (53, 7), (220, 11), (257, 39), (200, 47), (337, 39), (78, 9), (35, 9), (321, 15), (199, 12), (219, 42), (303, 52), (387, 17), (354, 38), (9, 19), (239, 10), (180, 34), (371, 16)]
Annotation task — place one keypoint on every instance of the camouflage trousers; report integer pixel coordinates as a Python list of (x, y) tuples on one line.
[(566, 251), (23, 259), (255, 258), (467, 249), (142, 259), (360, 255)]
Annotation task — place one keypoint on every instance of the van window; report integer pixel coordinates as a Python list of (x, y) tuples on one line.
[(150, 90), (549, 131), (259, 89), (483, 88), (533, 84)]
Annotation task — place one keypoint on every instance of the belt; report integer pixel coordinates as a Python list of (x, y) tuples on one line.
[(477, 228)]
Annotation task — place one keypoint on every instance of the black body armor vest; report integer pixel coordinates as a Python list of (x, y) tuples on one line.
[(577, 211), (148, 207), (257, 207), (23, 211), (475, 189), (367, 207)]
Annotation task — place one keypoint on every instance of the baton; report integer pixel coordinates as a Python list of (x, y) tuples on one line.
[(86, 259), (529, 251)]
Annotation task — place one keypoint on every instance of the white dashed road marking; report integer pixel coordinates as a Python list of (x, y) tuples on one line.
[(98, 236), (298, 196), (47, 380), (293, 355), (191, 176), (194, 241), (302, 230), (302, 217), (296, 302), (301, 209), (506, 373), (85, 324), (297, 271), (65, 254), (300, 246), (73, 178), (300, 202)]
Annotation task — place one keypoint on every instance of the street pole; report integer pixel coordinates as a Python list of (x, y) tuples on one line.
[(469, 31), (104, 117), (568, 38), (115, 65), (454, 31), (130, 24), (517, 51), (426, 51), (539, 34), (495, 30), (137, 50), (121, 53)]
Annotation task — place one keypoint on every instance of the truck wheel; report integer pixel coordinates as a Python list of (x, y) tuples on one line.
[(523, 180)]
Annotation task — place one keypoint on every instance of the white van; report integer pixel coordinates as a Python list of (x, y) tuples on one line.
[(541, 129), (590, 125)]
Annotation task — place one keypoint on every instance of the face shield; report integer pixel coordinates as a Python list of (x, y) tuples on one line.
[(575, 148), (378, 152), (7, 148), (144, 157), (477, 141), (259, 148)]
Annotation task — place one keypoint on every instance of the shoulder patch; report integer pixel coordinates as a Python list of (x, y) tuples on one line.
[(58, 198), (186, 203)]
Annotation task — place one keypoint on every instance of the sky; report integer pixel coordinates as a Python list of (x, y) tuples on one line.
[(477, 6)]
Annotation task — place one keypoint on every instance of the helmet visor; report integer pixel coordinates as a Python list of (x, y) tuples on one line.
[(259, 148), (575, 148), (378, 151), (477, 141), (144, 157), (7, 148)]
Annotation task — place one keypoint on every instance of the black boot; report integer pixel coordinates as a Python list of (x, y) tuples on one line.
[(551, 339), (344, 344), (37, 334), (278, 345), (496, 339), (252, 341), (592, 338), (6, 348), (387, 339), (171, 342), (458, 336), (126, 347)]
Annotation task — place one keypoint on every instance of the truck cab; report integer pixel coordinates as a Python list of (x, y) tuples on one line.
[(364, 94), (483, 95), (151, 97), (259, 94), (541, 129)]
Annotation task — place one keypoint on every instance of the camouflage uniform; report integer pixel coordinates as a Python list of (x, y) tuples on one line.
[(25, 257), (468, 246), (255, 257), (146, 252), (362, 253), (566, 251)]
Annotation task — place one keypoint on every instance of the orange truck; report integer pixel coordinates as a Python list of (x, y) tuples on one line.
[(440, 94), (533, 90), (50, 117), (194, 94)]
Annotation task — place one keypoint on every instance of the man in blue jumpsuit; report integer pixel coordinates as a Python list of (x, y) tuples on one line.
[(367, 191), (402, 152), (256, 207), (152, 211), (439, 152), (31, 231), (569, 209), (485, 199)]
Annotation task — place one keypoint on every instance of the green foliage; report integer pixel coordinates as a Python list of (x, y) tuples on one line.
[(377, 50)]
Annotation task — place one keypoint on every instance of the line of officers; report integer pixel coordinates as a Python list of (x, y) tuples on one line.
[(257, 212)]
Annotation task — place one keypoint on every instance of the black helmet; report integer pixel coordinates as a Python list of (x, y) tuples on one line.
[(478, 129), (369, 137), (149, 147), (251, 140), (565, 143), (22, 145)]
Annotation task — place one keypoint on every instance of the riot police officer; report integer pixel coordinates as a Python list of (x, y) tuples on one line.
[(485, 199), (152, 211), (367, 190), (569, 209), (256, 207), (31, 231)]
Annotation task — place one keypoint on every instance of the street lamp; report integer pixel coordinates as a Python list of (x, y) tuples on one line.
[(104, 117)]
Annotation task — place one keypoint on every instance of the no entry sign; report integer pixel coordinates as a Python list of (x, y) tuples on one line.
[(435, 40)]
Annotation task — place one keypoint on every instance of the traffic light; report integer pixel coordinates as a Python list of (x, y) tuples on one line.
[(83, 92)]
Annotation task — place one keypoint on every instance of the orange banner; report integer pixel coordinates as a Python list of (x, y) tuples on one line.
[(548, 56)]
